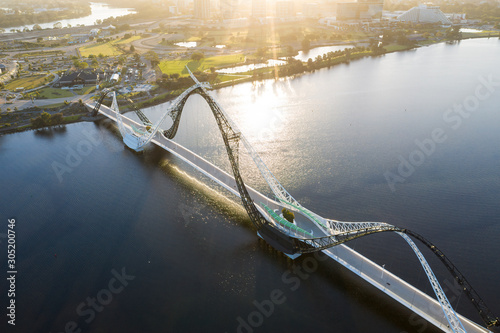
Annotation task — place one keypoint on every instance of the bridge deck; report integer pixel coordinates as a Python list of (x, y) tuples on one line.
[(401, 291)]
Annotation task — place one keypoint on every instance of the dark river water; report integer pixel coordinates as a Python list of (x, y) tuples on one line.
[(112, 241)]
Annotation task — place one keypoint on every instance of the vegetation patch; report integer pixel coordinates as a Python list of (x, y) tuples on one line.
[(179, 66), (27, 82), (85, 90), (48, 93), (39, 54), (227, 77), (127, 40), (106, 49)]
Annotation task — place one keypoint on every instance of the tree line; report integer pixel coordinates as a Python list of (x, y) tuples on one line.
[(46, 119), (29, 17)]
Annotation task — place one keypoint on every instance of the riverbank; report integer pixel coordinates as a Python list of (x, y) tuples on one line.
[(293, 68), (23, 120)]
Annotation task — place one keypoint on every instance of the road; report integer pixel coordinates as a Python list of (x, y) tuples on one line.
[(24, 104)]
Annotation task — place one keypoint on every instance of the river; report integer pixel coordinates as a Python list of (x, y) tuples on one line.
[(187, 255), (100, 11)]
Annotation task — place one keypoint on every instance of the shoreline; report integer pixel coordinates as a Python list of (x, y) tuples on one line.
[(269, 74)]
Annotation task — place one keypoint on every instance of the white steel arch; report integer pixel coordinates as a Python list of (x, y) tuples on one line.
[(450, 314)]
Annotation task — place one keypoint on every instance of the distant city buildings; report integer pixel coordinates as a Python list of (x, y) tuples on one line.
[(311, 10), (202, 9), (229, 9), (424, 14), (259, 8), (360, 10), (285, 9), (181, 5)]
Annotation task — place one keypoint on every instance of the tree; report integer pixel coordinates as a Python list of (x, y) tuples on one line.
[(57, 119), (41, 121), (306, 44), (261, 52), (197, 56), (94, 63), (288, 215), (45, 116), (454, 33), (83, 65), (132, 48), (152, 57)]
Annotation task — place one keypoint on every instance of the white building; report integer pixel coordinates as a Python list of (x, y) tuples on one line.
[(115, 77), (424, 14)]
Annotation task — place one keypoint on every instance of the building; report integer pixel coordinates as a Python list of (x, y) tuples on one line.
[(181, 6), (115, 77), (80, 77), (424, 14), (202, 9), (94, 32), (3, 68), (311, 9), (229, 9), (285, 9), (259, 8), (364, 10)]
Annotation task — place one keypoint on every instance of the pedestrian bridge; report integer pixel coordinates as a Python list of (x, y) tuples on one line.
[(306, 232)]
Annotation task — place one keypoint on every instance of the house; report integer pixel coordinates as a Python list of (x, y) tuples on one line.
[(3, 68), (94, 32), (115, 77), (80, 77)]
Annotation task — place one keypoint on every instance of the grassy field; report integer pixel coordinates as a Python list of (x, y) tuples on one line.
[(52, 106), (396, 47), (126, 41), (226, 77), (27, 82), (85, 90), (106, 49), (71, 118), (178, 66), (480, 34), (39, 54), (48, 93)]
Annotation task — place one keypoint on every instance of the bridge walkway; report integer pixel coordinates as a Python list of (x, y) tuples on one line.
[(390, 284)]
